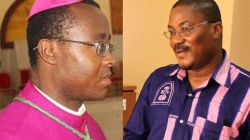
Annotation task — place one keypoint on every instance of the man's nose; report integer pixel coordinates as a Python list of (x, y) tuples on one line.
[(177, 39), (109, 59)]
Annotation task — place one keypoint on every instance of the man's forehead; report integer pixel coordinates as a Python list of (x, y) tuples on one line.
[(171, 25), (91, 20), (181, 12), (182, 15), (86, 13), (83, 7), (90, 31)]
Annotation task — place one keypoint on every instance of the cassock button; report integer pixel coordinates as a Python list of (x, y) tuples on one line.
[(181, 121), (190, 94)]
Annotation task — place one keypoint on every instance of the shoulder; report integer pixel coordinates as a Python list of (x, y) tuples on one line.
[(240, 70), (23, 122), (94, 128), (240, 74), (12, 119), (158, 77), (165, 70), (12, 113)]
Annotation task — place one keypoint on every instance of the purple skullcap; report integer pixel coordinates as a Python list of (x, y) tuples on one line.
[(43, 5)]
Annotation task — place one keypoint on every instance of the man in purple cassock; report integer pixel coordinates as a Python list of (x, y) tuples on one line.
[(70, 56)]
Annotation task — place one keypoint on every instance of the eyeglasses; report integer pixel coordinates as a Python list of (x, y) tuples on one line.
[(102, 49), (185, 31)]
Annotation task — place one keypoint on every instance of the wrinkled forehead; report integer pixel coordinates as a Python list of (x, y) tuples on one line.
[(184, 14)]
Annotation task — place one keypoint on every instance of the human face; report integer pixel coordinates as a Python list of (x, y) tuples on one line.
[(83, 74), (198, 48)]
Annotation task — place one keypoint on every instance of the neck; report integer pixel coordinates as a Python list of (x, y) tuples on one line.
[(49, 87), (199, 76)]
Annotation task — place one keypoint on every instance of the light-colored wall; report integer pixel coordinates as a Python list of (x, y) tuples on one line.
[(227, 9), (241, 34), (145, 47), (4, 5)]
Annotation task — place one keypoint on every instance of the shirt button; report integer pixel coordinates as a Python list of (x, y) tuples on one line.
[(181, 121), (190, 94)]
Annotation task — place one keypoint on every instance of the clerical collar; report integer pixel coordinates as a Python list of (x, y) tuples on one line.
[(80, 111)]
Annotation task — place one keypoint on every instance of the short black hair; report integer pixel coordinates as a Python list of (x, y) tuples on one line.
[(52, 23), (208, 8)]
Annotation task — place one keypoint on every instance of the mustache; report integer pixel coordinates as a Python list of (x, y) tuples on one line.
[(181, 48)]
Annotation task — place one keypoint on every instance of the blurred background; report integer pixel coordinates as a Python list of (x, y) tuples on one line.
[(15, 69)]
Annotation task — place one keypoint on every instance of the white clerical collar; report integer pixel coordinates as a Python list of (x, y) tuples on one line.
[(80, 111)]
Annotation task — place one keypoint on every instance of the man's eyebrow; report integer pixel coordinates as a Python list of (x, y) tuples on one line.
[(180, 24), (104, 36)]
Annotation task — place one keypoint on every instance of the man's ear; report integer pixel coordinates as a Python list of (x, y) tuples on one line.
[(46, 51), (217, 30)]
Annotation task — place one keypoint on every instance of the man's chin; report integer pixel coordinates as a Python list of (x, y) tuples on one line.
[(100, 95), (185, 67)]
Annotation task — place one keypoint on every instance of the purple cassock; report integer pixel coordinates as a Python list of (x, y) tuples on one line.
[(20, 121)]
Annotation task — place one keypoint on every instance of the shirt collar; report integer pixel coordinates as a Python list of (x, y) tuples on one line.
[(80, 111), (220, 75)]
